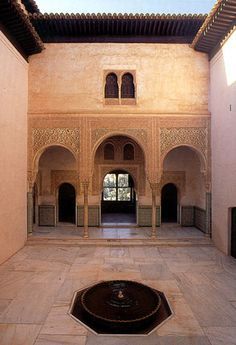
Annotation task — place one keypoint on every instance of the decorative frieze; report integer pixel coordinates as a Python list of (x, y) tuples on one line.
[(70, 137)]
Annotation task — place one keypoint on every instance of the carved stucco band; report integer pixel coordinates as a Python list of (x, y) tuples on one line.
[(140, 134), (69, 137), (171, 137)]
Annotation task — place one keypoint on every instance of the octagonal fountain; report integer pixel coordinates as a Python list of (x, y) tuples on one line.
[(120, 307)]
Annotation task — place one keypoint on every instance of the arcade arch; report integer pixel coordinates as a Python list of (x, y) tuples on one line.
[(183, 184), (133, 170), (56, 172)]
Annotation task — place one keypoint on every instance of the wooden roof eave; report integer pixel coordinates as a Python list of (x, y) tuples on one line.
[(114, 26), (18, 28), (216, 26)]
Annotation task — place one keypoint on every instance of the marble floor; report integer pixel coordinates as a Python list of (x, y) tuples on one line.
[(166, 231), (37, 284)]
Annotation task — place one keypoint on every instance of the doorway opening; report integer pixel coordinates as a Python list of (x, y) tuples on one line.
[(118, 203), (66, 203), (233, 232), (169, 200)]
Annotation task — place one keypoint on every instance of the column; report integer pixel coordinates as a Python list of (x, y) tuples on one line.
[(154, 188), (30, 211), (85, 185)]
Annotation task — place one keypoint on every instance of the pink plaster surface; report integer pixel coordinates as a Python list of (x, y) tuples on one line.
[(223, 108), (13, 149)]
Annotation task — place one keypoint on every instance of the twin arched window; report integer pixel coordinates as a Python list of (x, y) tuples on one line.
[(127, 88), (109, 152), (111, 87), (128, 152)]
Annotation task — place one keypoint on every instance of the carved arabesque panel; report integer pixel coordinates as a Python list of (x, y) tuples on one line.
[(69, 137), (193, 136)]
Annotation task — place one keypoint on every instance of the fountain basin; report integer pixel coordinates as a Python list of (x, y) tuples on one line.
[(120, 307)]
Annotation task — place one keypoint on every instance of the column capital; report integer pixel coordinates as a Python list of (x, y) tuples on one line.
[(155, 187), (85, 183), (31, 178)]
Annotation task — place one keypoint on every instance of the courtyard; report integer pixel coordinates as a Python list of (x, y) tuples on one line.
[(37, 285)]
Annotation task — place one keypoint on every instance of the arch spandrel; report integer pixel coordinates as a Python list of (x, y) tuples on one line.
[(194, 138), (43, 138)]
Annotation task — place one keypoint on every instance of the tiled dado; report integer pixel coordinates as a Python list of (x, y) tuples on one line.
[(93, 215), (46, 215), (193, 216), (145, 215)]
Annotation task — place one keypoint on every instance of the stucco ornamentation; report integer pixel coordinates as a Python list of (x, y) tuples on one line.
[(192, 136), (63, 176), (138, 133), (69, 137)]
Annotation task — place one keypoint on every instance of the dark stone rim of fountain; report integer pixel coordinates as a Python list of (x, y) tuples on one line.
[(146, 317)]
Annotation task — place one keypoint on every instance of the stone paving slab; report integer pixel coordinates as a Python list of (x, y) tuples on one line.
[(37, 285)]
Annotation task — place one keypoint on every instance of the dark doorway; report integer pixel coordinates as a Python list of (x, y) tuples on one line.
[(233, 232), (169, 203), (66, 201), (118, 198)]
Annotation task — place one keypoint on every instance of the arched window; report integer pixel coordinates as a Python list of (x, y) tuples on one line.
[(118, 186), (127, 86), (111, 87), (109, 152), (128, 152)]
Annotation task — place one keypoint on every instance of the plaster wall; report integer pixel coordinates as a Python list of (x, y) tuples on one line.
[(223, 109), (13, 149), (69, 78)]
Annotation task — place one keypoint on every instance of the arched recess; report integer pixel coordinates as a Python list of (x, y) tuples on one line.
[(183, 166), (66, 203), (56, 165), (135, 168), (201, 157), (40, 152)]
